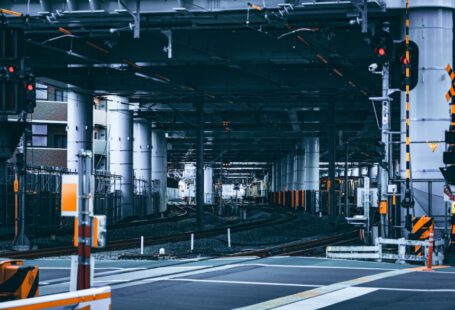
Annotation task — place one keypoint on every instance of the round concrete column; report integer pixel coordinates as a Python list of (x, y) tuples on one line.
[(432, 30), (284, 168), (208, 185), (299, 164), (80, 126), (159, 167), (120, 129), (290, 172), (142, 160), (311, 169)]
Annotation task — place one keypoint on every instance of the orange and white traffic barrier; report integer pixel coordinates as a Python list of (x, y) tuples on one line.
[(18, 281), (430, 251), (94, 298)]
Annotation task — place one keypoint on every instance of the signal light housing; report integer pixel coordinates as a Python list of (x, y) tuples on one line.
[(398, 65), (383, 45)]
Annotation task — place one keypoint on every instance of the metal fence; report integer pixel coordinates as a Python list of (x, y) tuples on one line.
[(43, 199)]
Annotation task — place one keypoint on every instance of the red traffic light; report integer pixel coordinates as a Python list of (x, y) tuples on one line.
[(404, 60), (381, 51), (11, 69), (30, 87)]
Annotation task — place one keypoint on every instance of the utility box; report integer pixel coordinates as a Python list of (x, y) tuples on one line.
[(99, 231)]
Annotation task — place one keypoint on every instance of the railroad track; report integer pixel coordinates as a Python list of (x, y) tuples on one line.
[(283, 217), (303, 247), (61, 231)]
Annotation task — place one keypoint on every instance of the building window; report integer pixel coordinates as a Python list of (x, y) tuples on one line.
[(39, 135), (41, 91), (60, 141)]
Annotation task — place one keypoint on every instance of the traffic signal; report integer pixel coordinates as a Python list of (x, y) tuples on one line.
[(9, 72), (383, 46), (30, 94), (398, 65)]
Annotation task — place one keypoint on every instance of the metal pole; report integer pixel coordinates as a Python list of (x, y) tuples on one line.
[(21, 243), (346, 180), (385, 166), (200, 165), (332, 150), (84, 229)]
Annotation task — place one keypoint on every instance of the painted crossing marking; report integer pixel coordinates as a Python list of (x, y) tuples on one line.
[(282, 301), (329, 299)]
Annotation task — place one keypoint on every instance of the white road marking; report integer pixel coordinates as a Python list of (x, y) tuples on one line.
[(328, 299), (244, 282), (324, 290), (425, 290), (315, 267)]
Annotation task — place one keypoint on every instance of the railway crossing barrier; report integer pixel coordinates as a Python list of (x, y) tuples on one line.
[(94, 298), (382, 251)]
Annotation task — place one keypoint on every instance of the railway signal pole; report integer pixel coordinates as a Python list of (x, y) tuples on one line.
[(84, 227)]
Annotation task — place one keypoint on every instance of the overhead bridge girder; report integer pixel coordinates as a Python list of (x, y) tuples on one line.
[(71, 7)]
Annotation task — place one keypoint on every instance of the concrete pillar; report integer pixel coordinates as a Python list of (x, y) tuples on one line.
[(120, 129), (311, 169), (373, 172), (284, 168), (142, 160), (290, 172), (273, 179), (208, 185), (299, 163), (80, 126), (432, 30), (159, 167)]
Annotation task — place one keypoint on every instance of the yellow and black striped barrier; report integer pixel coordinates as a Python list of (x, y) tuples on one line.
[(18, 281), (421, 227)]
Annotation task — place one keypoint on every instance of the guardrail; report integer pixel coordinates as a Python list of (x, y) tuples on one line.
[(378, 252), (94, 298)]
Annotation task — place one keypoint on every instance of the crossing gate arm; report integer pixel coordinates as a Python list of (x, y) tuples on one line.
[(94, 298)]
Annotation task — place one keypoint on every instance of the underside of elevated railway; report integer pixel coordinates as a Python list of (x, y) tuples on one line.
[(184, 144)]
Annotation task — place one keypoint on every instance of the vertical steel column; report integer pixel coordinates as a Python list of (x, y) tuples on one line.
[(386, 165), (120, 132), (332, 156), (21, 242), (159, 167), (142, 159), (200, 164), (432, 30), (79, 127), (84, 229)]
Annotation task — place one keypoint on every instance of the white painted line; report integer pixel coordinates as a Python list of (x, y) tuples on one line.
[(328, 299), (244, 282), (156, 278), (425, 290), (316, 267)]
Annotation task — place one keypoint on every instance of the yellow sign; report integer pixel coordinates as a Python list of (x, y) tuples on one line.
[(452, 209), (433, 146)]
